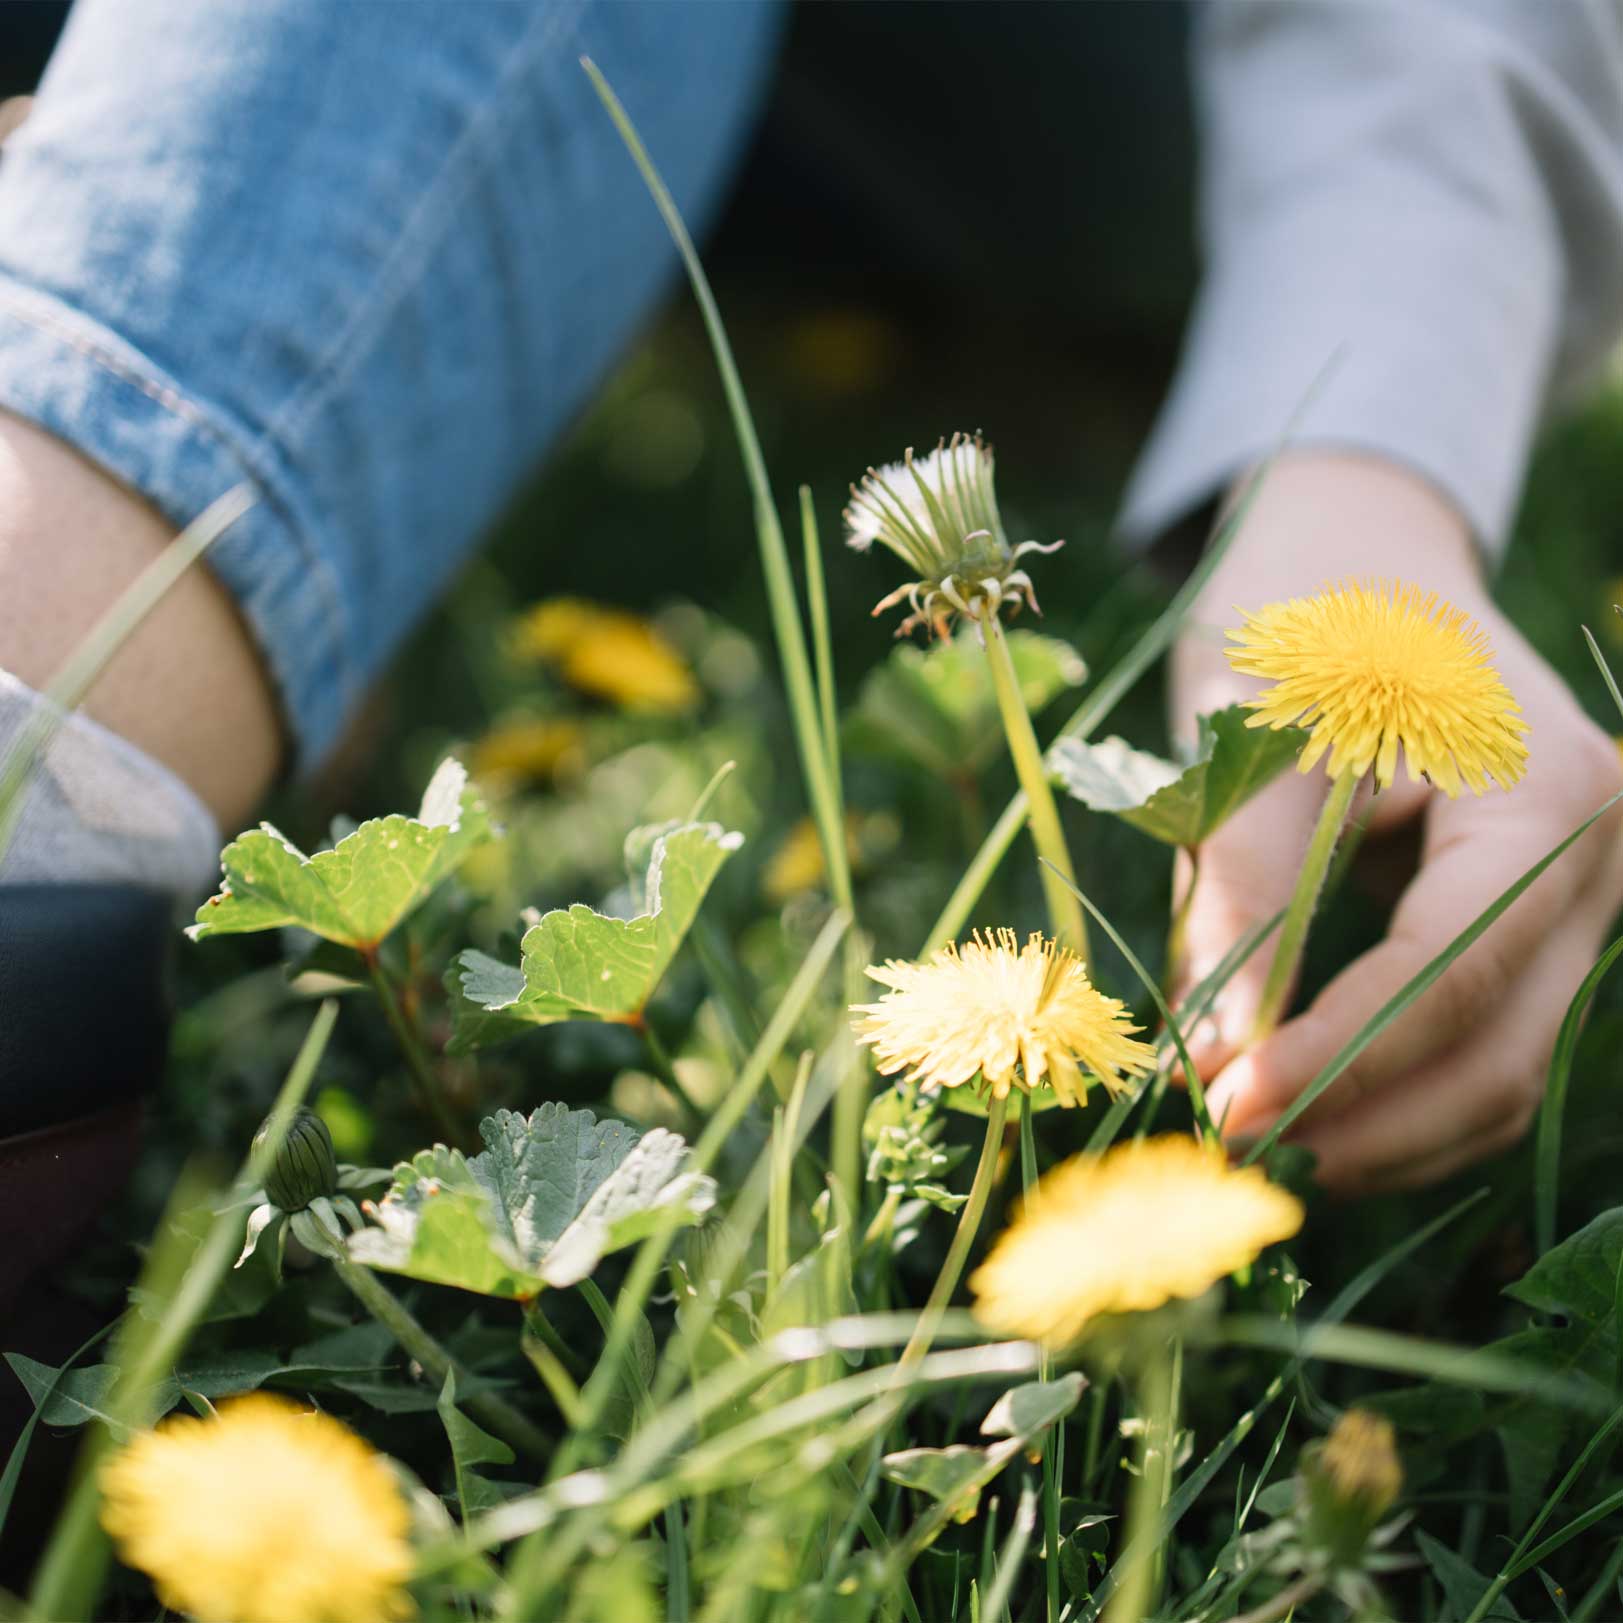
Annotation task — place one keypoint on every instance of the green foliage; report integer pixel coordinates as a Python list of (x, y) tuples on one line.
[(936, 708), (579, 965), (357, 892), (1178, 803), (548, 1197)]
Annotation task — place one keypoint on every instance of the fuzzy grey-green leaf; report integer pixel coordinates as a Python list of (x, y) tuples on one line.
[(1178, 804)]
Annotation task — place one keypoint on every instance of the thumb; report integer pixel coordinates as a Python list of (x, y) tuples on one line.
[(1245, 874)]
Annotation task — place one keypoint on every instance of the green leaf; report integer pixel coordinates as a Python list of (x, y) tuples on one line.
[(1023, 1411), (547, 1198), (471, 1446), (1463, 1586), (946, 1474), (1179, 805), (81, 1394), (357, 892), (936, 707), (579, 965)]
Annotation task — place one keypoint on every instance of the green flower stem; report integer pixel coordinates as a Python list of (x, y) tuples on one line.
[(969, 1222), (1133, 1599), (1299, 914), (489, 1408), (1051, 1439), (1065, 914), (431, 1094), (1182, 907)]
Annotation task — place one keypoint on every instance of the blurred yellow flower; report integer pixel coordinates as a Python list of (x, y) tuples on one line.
[(528, 751), (609, 654), (1359, 1460), (1014, 1016), (270, 1513), (1369, 668), (797, 864), (1126, 1231)]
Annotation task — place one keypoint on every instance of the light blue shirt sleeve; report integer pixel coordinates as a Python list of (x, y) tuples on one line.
[(1431, 188)]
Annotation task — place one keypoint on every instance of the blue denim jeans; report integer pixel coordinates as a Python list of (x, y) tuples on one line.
[(369, 256)]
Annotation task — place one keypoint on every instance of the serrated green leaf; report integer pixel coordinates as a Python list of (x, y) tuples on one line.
[(1462, 1585), (81, 1394), (357, 892), (471, 1446), (1179, 805), (547, 1198), (937, 708), (579, 965)]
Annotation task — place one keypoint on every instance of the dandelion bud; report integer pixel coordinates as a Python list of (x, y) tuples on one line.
[(305, 1167), (1350, 1481), (938, 514)]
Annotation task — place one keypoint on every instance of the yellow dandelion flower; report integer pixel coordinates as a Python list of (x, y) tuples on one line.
[(269, 1513), (1371, 667), (1125, 1232), (609, 654), (1360, 1461), (535, 750), (1011, 1015)]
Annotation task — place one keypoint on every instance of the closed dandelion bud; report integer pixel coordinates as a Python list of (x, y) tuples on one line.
[(305, 1167), (1350, 1481)]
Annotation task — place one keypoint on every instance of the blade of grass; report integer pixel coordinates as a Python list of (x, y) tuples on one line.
[(822, 643), (68, 687), (1014, 1550), (818, 766), (1552, 1110), (1093, 710), (1415, 988)]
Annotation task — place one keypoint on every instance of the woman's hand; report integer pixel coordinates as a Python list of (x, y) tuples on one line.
[(1459, 1075)]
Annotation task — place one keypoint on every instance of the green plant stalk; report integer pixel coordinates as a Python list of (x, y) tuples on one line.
[(1065, 915), (1134, 1596), (963, 1238), (820, 769), (1602, 1591), (89, 659), (822, 642), (1049, 1439), (69, 1573), (1304, 898), (430, 1094), (489, 1408), (1182, 906)]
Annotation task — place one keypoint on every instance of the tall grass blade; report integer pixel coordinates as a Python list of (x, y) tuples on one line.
[(67, 688), (819, 768), (1552, 1109)]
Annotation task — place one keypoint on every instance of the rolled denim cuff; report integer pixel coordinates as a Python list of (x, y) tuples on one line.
[(83, 383)]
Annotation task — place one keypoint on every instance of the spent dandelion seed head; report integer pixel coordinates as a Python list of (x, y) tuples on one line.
[(1012, 1016), (1125, 1232), (1370, 668), (938, 513), (266, 1513)]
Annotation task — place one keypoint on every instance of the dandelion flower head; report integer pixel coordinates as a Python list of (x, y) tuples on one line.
[(1370, 668), (1124, 1232), (1012, 1015), (938, 513), (609, 654), (269, 1513)]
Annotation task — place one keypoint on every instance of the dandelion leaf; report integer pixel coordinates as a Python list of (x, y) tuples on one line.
[(951, 1475), (936, 707), (472, 1446), (1178, 804), (580, 965), (550, 1195), (357, 892), (1462, 1585)]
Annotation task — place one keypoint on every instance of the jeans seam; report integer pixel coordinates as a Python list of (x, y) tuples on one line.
[(424, 229)]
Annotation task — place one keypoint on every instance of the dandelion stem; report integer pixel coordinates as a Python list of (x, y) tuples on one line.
[(1299, 914), (1065, 914), (432, 1095), (1052, 1438), (1134, 1597), (969, 1222), (1182, 907), (489, 1408)]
